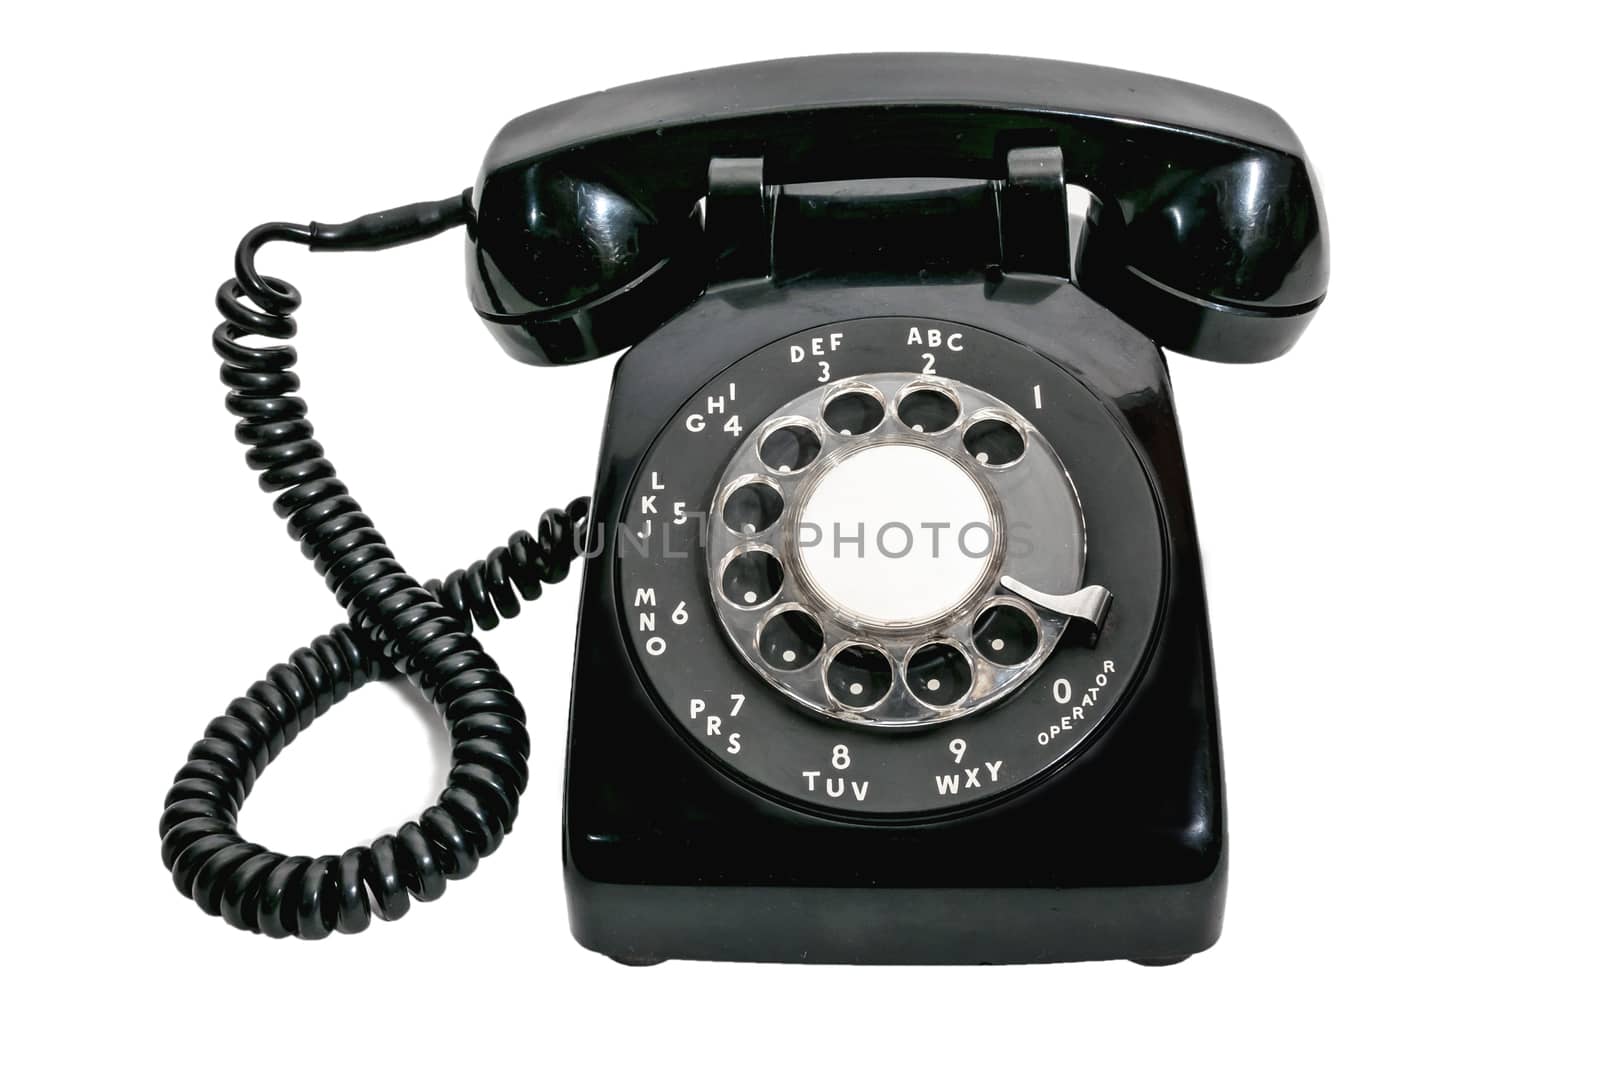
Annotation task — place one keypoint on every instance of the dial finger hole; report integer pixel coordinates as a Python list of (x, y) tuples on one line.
[(939, 674), (859, 676), (790, 640), (751, 508), (789, 447), (1005, 635), (853, 412), (752, 579), (994, 442), (927, 410)]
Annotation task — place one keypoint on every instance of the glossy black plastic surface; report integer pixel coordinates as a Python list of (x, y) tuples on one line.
[(1117, 853), (1207, 236)]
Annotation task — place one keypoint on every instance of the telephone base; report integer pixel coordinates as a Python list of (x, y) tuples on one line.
[(1117, 851)]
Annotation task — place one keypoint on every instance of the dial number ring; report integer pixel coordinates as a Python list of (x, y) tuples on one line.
[(666, 594)]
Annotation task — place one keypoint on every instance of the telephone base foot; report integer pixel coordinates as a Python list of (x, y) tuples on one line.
[(1173, 961), (635, 960)]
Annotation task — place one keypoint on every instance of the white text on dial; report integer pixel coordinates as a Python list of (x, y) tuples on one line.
[(953, 783)]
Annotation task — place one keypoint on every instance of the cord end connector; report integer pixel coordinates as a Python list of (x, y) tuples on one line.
[(393, 226)]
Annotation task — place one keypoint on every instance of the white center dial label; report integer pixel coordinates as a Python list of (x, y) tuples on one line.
[(896, 534)]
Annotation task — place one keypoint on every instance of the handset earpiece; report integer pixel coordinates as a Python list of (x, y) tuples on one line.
[(568, 262), (1220, 255)]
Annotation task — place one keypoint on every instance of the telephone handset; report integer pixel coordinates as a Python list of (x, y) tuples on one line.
[(1207, 233), (893, 644)]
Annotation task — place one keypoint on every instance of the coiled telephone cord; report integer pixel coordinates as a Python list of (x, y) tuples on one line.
[(396, 626)]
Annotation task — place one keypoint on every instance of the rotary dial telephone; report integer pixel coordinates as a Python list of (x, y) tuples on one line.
[(893, 643)]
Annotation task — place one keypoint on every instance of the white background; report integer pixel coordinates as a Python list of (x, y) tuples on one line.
[(1397, 518)]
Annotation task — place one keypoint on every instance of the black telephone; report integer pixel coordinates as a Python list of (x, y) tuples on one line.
[(893, 644)]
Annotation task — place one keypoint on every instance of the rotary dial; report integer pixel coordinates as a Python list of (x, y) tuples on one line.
[(860, 537), (855, 571)]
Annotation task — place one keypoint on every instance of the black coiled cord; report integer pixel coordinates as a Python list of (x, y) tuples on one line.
[(396, 625)]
